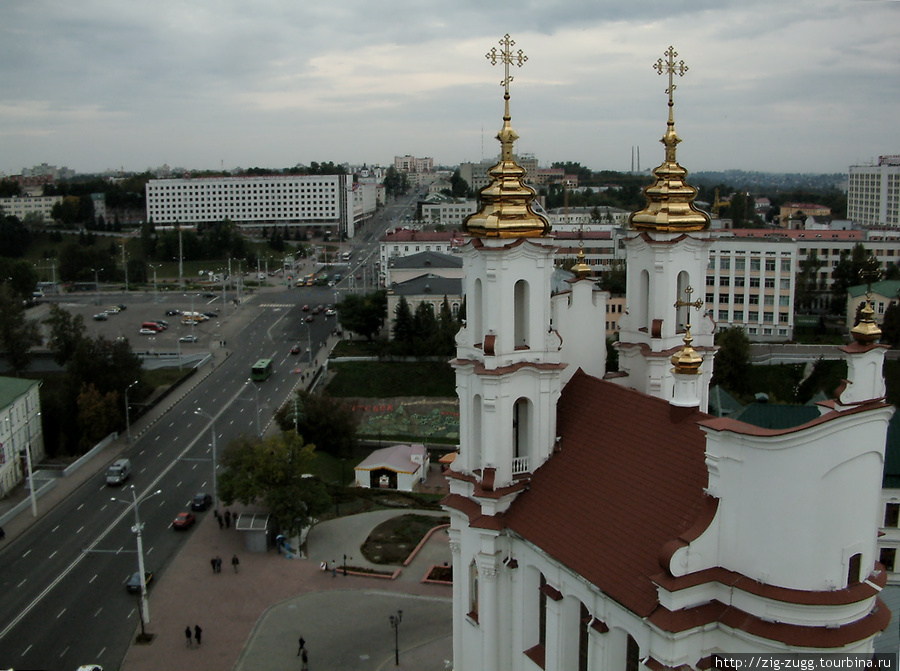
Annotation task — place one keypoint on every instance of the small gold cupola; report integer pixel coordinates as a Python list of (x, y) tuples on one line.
[(686, 361), (867, 330), (670, 200), (506, 210)]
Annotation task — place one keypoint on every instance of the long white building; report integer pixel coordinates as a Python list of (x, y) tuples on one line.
[(329, 202), (20, 430), (873, 195), (19, 206)]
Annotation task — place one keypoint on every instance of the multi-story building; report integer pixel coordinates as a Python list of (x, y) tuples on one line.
[(588, 218), (329, 202), (21, 434), (412, 164), (19, 206), (873, 195), (447, 212), (799, 212), (477, 177)]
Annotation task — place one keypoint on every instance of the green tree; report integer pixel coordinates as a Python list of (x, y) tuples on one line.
[(614, 279), (67, 332), (18, 334), (890, 326), (19, 275), (396, 182), (274, 471), (459, 188), (448, 325), (98, 415), (14, 237), (403, 330), (425, 330), (363, 314), (732, 363), (327, 422), (807, 281), (854, 268)]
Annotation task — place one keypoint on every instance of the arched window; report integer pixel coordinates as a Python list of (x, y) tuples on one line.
[(682, 316), (584, 621), (475, 314), (542, 612), (473, 590), (520, 315), (475, 436), (632, 654), (853, 569), (643, 301), (521, 435)]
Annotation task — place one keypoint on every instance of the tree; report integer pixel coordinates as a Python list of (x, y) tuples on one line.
[(274, 471), (20, 275), (363, 314), (98, 415), (425, 330), (854, 268), (14, 237), (18, 334), (403, 330), (614, 279), (890, 325), (67, 332), (396, 182), (448, 325), (459, 188), (807, 281), (327, 422), (732, 364)]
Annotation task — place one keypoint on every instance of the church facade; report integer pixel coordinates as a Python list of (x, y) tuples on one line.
[(604, 520)]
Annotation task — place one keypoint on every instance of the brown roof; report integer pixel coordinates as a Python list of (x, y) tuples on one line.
[(628, 479)]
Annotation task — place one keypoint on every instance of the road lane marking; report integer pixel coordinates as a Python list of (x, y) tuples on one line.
[(80, 507), (79, 529), (26, 651), (24, 580), (98, 611), (68, 569), (61, 613), (93, 579), (54, 528), (63, 653), (53, 554), (27, 552)]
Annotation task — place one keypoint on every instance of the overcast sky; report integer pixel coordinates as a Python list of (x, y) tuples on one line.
[(781, 86)]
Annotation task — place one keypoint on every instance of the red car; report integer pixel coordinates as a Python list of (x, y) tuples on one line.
[(184, 520)]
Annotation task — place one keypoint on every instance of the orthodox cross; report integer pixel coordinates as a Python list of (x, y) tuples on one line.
[(688, 304), (671, 68), (507, 57)]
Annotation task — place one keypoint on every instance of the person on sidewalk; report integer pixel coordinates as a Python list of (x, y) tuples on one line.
[(212, 562), (198, 632), (304, 661), (227, 519), (302, 643), (218, 564), (234, 563), (187, 635)]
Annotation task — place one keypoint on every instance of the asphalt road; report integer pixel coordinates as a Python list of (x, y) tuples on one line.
[(62, 598)]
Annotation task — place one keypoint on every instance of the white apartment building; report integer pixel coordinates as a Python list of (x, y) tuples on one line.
[(20, 429), (873, 195), (449, 212), (19, 206), (576, 218), (412, 164), (313, 201)]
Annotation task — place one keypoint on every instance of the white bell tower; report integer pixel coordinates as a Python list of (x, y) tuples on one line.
[(666, 257)]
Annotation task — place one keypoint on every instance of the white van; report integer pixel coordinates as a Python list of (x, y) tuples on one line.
[(118, 472)]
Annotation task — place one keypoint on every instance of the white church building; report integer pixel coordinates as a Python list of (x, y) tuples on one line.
[(605, 520)]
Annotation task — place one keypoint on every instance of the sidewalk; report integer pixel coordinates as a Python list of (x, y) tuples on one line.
[(252, 620)]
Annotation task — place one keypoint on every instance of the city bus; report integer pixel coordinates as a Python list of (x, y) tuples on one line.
[(261, 370)]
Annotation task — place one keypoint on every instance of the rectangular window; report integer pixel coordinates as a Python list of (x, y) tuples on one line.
[(768, 317), (739, 299), (725, 264), (768, 300), (784, 300), (769, 283), (740, 264), (710, 281), (710, 298), (785, 265), (770, 265), (754, 264), (785, 283), (892, 515), (887, 557), (739, 282), (754, 316), (724, 281), (723, 298), (754, 282), (782, 317)]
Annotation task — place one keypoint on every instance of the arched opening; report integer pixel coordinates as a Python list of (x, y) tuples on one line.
[(475, 435), (643, 301), (475, 314), (521, 435), (853, 569), (520, 315), (682, 314), (473, 590)]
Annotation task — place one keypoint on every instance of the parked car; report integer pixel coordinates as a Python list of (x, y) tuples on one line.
[(121, 306), (330, 312), (173, 313), (148, 332), (188, 338), (201, 501), (100, 317), (133, 584), (184, 520), (295, 349), (305, 308), (211, 315), (309, 318), (112, 310)]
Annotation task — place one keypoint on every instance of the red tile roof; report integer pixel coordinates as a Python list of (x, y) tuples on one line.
[(628, 479)]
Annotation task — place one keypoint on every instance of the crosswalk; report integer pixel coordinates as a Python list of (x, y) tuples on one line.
[(277, 306)]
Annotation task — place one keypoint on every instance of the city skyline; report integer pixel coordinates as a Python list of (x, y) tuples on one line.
[(775, 87)]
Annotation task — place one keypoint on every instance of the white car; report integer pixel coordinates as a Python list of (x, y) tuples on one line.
[(147, 332), (188, 338)]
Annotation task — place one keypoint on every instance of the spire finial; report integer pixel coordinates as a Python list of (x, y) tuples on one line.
[(867, 331), (508, 57)]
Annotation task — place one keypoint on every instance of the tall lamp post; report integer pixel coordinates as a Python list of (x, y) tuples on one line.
[(395, 625), (138, 529), (128, 414), (212, 426)]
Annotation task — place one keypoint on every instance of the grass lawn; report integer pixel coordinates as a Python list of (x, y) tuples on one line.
[(392, 540), (381, 379)]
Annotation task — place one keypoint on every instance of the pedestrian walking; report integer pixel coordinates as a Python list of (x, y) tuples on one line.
[(187, 635), (218, 564), (234, 563), (227, 519), (198, 632), (212, 562), (2, 533), (302, 645), (304, 661)]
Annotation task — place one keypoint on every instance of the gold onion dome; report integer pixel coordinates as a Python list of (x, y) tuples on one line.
[(581, 269), (867, 330), (506, 210), (686, 360), (670, 200)]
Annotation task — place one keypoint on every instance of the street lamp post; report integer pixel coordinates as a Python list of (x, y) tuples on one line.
[(138, 529), (128, 414), (395, 625), (212, 425)]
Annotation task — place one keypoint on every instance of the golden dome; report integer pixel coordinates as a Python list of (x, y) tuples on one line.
[(867, 330)]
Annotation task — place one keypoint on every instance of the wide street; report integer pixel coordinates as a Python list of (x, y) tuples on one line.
[(62, 597)]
